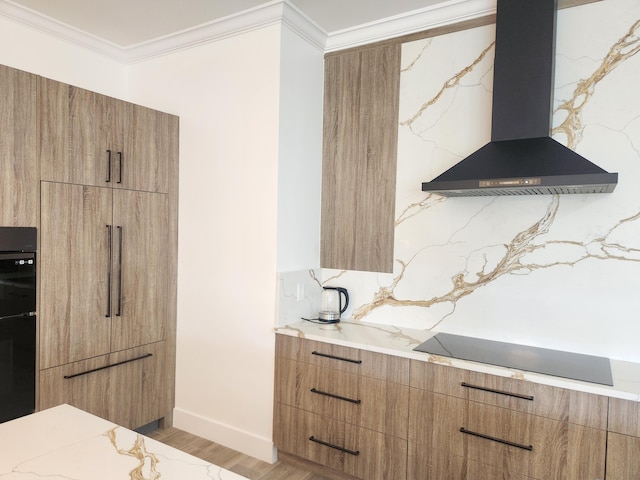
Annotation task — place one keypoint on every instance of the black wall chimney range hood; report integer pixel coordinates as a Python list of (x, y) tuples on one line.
[(522, 158)]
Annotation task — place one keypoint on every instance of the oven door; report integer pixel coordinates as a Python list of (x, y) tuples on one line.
[(17, 366)]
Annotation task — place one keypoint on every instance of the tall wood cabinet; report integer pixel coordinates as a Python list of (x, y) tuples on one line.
[(361, 101), (18, 159), (108, 249)]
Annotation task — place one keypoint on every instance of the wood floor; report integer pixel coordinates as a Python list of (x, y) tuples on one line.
[(286, 468)]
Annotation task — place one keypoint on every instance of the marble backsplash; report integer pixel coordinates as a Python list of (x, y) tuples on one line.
[(553, 271)]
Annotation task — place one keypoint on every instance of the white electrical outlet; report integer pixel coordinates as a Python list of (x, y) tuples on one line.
[(300, 291)]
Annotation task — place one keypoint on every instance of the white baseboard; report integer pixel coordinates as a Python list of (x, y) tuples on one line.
[(248, 443)]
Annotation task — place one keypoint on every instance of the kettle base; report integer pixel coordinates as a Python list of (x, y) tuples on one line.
[(329, 316)]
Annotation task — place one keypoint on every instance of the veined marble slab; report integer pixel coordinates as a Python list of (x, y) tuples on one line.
[(400, 341), (64, 443)]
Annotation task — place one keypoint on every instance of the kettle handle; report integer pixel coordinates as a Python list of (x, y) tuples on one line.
[(343, 291)]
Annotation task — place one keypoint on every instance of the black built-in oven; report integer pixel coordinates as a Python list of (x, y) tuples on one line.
[(17, 321)]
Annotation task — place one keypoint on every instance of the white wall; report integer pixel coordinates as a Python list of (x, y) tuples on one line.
[(250, 110), (227, 96), (300, 162)]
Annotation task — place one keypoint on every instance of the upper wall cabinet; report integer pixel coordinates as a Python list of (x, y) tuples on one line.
[(19, 195), (92, 139), (361, 95)]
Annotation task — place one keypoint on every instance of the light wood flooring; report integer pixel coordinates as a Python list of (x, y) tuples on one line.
[(286, 468)]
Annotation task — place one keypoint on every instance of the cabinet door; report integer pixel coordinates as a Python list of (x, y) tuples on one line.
[(359, 159), (148, 150), (74, 268), (140, 267), (93, 139), (82, 135), (53, 107), (18, 164), (126, 387)]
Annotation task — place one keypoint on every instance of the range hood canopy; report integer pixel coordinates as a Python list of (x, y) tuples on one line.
[(522, 158)]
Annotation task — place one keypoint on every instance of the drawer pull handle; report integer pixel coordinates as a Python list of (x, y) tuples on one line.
[(500, 392), (333, 395), (330, 445), (499, 440), (108, 366), (333, 357)]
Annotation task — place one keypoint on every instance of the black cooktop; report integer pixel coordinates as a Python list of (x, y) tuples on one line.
[(576, 366)]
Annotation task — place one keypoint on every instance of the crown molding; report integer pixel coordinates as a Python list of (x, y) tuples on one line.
[(265, 15), (42, 23), (440, 15), (270, 13)]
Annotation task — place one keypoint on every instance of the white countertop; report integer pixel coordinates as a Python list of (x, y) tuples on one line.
[(401, 342), (64, 443)]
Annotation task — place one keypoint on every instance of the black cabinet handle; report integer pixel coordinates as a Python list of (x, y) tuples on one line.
[(67, 377), (119, 311), (337, 447), (333, 395), (109, 253), (108, 166), (499, 392), (495, 439), (333, 357), (120, 160)]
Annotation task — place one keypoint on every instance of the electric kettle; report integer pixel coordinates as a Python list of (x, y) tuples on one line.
[(332, 306)]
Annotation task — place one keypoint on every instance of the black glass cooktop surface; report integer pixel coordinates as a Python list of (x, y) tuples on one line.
[(576, 366)]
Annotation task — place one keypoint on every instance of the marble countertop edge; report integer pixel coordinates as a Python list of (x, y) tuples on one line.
[(392, 340)]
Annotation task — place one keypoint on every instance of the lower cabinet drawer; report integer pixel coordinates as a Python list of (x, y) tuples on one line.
[(367, 402), (537, 447), (436, 465), (125, 387), (454, 438), (357, 451)]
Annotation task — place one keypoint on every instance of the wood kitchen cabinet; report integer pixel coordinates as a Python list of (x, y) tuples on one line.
[(104, 290), (361, 98), (108, 255), (104, 271), (623, 441), (465, 424), (128, 387), (92, 139), (18, 151), (370, 415), (341, 407)]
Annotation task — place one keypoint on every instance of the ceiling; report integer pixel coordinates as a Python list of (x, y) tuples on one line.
[(124, 23)]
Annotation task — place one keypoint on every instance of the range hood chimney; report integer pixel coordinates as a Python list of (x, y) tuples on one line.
[(522, 158)]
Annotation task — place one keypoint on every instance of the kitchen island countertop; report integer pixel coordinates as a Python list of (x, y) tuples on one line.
[(64, 442), (398, 341)]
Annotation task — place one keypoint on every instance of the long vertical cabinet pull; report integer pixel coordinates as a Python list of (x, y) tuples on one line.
[(109, 257), (108, 166), (120, 160), (119, 312)]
